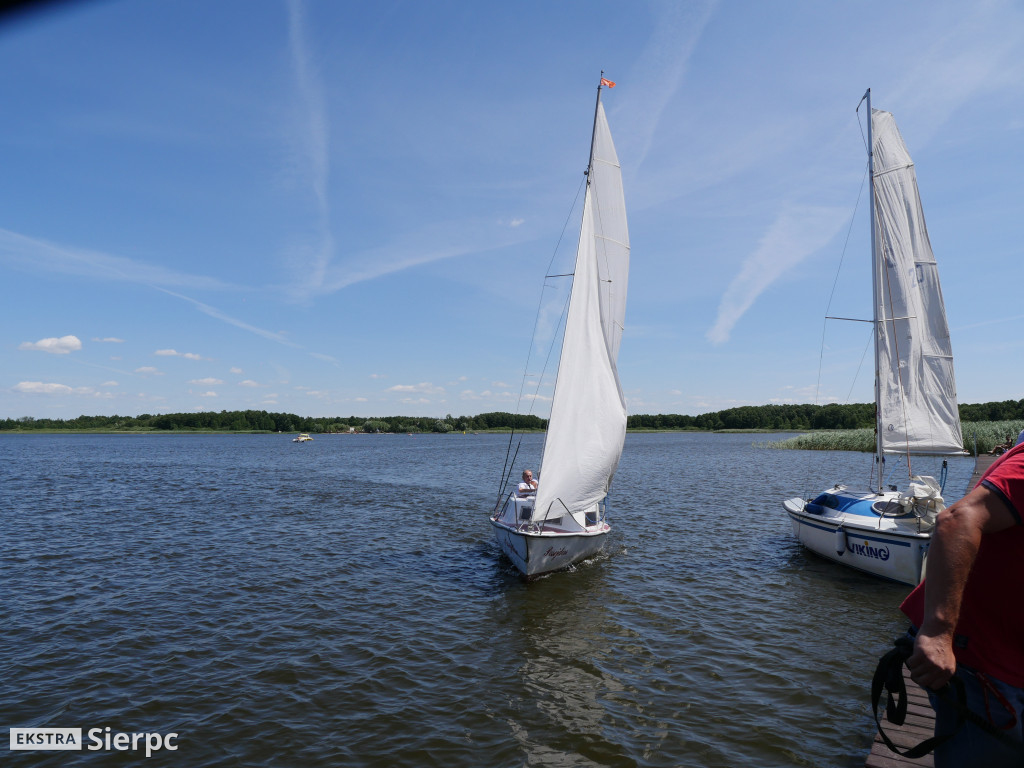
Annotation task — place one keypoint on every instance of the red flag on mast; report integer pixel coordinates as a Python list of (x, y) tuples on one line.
[(608, 83)]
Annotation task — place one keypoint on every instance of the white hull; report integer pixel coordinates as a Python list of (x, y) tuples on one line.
[(537, 553), (538, 544), (891, 546)]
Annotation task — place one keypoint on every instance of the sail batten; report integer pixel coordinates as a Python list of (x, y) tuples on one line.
[(917, 405)]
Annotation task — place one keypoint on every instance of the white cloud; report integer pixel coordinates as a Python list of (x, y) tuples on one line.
[(209, 381), (42, 388), (109, 384), (236, 371), (55, 346), (208, 394), (424, 387), (248, 383), (175, 353), (109, 340), (149, 370)]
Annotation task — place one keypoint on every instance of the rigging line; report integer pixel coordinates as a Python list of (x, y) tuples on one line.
[(506, 467), (863, 138), (540, 301), (540, 380), (860, 365), (835, 282), (547, 359), (506, 470)]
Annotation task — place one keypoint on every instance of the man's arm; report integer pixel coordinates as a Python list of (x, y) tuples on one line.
[(954, 547)]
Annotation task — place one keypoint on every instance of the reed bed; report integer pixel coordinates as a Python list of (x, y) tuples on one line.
[(979, 437)]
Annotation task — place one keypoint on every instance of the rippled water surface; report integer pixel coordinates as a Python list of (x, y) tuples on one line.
[(342, 603)]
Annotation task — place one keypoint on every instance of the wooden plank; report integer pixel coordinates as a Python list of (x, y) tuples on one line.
[(982, 463), (919, 725)]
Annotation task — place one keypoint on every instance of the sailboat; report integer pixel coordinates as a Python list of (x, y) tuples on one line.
[(884, 531), (564, 521)]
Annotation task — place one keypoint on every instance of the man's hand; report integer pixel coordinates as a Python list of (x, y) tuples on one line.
[(932, 663)]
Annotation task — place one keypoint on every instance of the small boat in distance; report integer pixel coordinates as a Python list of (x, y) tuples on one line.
[(883, 531), (303, 438), (564, 521)]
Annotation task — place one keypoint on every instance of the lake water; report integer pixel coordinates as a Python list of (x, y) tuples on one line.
[(342, 603)]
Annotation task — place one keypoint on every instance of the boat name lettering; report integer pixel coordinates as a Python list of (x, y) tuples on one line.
[(866, 550), (552, 552)]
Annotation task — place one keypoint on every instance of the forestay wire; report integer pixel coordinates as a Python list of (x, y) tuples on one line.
[(506, 472), (835, 283)]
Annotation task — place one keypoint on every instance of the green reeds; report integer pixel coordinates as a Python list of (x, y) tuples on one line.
[(986, 434)]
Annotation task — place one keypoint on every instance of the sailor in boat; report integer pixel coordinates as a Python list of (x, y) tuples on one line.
[(970, 623), (529, 486)]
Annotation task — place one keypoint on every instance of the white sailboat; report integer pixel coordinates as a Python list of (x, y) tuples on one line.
[(565, 520), (881, 530)]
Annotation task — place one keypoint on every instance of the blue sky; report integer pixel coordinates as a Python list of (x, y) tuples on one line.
[(335, 208)]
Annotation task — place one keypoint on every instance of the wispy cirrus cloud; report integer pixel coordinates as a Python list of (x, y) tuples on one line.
[(961, 61), (798, 232), (665, 61), (55, 346), (36, 255), (311, 256), (277, 336)]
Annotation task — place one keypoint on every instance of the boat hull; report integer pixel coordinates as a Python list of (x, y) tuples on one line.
[(538, 553), (850, 530)]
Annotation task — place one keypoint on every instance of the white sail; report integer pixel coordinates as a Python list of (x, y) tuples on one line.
[(587, 426), (917, 406)]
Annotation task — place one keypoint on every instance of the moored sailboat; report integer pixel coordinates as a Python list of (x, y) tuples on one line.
[(564, 521), (884, 531)]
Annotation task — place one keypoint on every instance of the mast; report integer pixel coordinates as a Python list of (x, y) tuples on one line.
[(593, 129), (875, 267)]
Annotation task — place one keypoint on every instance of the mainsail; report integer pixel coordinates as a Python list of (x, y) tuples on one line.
[(587, 426), (917, 406)]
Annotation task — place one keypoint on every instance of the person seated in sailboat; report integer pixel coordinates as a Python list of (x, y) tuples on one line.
[(529, 486)]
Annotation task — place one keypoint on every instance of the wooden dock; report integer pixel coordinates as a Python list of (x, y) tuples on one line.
[(920, 725), (980, 466)]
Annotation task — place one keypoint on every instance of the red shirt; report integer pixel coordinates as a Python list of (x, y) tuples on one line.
[(989, 635)]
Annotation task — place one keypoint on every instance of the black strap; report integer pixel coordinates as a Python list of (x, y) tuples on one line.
[(889, 675)]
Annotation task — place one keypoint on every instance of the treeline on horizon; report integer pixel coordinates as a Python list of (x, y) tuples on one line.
[(762, 417)]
